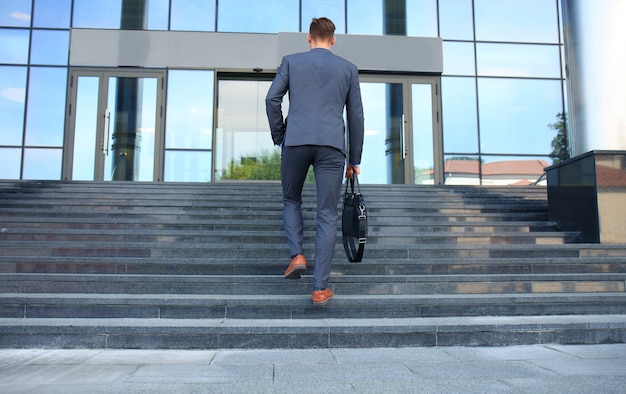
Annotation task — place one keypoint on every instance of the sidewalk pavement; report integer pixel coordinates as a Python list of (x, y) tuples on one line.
[(514, 369)]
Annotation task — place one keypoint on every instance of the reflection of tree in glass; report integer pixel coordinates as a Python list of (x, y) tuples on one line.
[(265, 166), (560, 142)]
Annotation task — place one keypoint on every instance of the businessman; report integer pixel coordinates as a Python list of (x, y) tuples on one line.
[(320, 85)]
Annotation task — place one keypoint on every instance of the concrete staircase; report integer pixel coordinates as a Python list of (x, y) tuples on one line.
[(196, 266)]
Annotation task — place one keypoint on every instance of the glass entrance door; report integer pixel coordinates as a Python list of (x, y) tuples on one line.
[(402, 131), (114, 127)]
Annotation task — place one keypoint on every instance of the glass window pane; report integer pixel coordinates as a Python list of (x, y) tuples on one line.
[(521, 21), (365, 17), (10, 163), (187, 166), (97, 14), (158, 11), (130, 129), (46, 106), (15, 13), (42, 163), (423, 155), (243, 148), (193, 15), (516, 114), (458, 58), (513, 171), (14, 48), (107, 14), (461, 170), (518, 60), (460, 125), (421, 18), (261, 16), (189, 117), (50, 47), (374, 161), (12, 99), (331, 9), (455, 20), (85, 128), (52, 13)]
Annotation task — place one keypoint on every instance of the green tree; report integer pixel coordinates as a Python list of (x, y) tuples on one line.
[(560, 142), (265, 166)]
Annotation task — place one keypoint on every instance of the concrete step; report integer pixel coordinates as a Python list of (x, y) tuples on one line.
[(210, 306), (310, 333), (263, 285), (215, 265)]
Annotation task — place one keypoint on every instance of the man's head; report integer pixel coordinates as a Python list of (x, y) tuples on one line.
[(322, 32)]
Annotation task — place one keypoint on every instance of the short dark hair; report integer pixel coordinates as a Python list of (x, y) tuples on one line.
[(322, 29)]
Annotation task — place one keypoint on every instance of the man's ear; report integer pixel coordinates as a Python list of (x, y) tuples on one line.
[(308, 38), (332, 41)]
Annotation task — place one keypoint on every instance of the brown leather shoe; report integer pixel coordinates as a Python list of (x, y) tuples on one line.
[(296, 267), (321, 297)]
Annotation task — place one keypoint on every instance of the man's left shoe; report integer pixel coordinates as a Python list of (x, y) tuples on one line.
[(321, 297)]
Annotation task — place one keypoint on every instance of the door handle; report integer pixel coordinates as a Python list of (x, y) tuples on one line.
[(404, 148), (104, 145)]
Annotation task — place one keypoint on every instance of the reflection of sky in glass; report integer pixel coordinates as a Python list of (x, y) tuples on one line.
[(85, 128), (10, 163), (260, 16), (526, 21), (331, 9), (189, 109), (158, 11), (50, 47), (52, 13), (458, 105), (15, 13), (455, 19), (374, 161), (14, 49), (106, 14), (101, 14), (42, 164), (12, 97), (422, 126), (46, 106), (193, 15), (518, 60), (515, 114), (365, 17), (458, 58), (421, 16)]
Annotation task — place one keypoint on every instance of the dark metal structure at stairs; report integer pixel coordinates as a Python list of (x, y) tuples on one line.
[(196, 266)]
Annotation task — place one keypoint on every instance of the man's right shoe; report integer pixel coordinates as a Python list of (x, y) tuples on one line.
[(321, 297), (296, 267)]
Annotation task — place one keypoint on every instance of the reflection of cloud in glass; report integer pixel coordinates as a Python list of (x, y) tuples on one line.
[(14, 94), (371, 132), (505, 72), (20, 16)]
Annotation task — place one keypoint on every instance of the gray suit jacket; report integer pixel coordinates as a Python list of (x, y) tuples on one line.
[(320, 85)]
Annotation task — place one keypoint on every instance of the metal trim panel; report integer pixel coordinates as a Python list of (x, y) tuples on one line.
[(244, 51)]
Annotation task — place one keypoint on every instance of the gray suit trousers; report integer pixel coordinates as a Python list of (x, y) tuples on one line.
[(328, 164)]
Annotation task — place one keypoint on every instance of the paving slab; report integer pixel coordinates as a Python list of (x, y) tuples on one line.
[(510, 369)]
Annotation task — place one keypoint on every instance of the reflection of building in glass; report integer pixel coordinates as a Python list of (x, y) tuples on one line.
[(495, 88), (510, 172)]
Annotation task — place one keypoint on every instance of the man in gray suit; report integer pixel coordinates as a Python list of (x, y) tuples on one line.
[(320, 85)]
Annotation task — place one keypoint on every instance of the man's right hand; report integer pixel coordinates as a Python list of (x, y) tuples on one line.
[(350, 169)]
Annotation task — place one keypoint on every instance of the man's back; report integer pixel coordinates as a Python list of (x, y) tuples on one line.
[(320, 84)]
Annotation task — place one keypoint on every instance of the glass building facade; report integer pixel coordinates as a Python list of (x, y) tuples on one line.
[(495, 115)]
